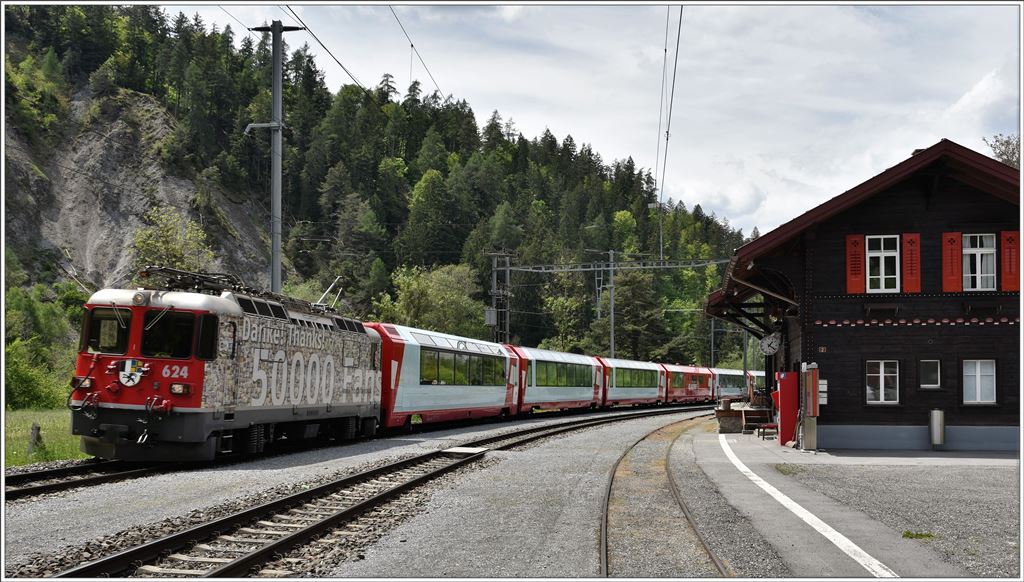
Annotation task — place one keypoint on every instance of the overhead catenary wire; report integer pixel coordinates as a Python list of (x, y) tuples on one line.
[(417, 51), (661, 104), (671, 103), (244, 27), (317, 39)]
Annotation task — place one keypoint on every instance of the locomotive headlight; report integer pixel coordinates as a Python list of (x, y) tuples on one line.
[(180, 389), (139, 299), (80, 382)]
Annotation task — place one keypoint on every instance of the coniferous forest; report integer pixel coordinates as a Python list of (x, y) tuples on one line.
[(396, 189)]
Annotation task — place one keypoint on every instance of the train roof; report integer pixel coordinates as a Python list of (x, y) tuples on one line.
[(617, 363), (225, 303), (687, 369), (553, 356), (446, 341), (718, 371)]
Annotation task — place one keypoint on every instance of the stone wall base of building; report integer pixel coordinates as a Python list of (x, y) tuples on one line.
[(958, 438)]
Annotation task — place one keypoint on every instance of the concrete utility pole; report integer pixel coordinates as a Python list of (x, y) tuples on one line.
[(611, 304), (275, 126)]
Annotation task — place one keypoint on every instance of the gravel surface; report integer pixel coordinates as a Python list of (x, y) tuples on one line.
[(537, 512), (351, 541), (43, 564), (973, 513), (87, 523), (727, 532), (648, 533), (42, 466)]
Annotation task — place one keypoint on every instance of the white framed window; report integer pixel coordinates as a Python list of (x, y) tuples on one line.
[(883, 381), (883, 256), (979, 262), (979, 381), (931, 374)]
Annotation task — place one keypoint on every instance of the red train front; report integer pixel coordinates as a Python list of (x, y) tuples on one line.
[(141, 362)]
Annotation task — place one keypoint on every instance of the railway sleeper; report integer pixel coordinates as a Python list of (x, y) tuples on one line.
[(263, 532), (209, 548), (279, 524), (202, 559), (160, 571)]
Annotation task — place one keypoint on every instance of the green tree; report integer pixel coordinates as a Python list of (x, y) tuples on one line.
[(170, 239), (438, 300), (431, 231)]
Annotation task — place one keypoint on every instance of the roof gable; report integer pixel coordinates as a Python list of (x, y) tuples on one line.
[(973, 168)]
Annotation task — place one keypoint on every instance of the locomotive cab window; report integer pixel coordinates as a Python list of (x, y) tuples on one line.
[(206, 347), (107, 331), (167, 334)]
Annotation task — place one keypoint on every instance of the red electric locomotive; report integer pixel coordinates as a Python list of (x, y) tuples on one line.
[(215, 368)]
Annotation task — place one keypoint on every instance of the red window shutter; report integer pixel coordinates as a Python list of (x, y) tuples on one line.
[(1009, 272), (855, 263), (911, 262), (952, 262)]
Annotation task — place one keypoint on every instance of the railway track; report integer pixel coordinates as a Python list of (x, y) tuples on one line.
[(85, 474), (239, 544), (723, 569)]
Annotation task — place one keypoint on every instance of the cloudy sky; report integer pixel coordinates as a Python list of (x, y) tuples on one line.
[(777, 108)]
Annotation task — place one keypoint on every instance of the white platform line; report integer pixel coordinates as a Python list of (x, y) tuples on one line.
[(877, 569)]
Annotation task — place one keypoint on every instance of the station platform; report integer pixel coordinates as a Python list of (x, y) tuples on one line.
[(815, 535)]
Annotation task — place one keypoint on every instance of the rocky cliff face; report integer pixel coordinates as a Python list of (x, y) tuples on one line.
[(87, 198)]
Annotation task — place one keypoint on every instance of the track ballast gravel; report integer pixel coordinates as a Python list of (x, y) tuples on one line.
[(535, 513)]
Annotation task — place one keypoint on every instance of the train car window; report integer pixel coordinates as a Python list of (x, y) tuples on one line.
[(462, 369), (293, 321), (581, 375), (428, 366), (562, 380), (206, 347), (360, 327), (278, 311), (500, 370), (105, 332), (247, 305), (446, 368), (167, 334), (424, 340), (262, 308), (490, 372)]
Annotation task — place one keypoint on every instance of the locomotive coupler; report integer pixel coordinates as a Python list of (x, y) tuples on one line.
[(90, 405)]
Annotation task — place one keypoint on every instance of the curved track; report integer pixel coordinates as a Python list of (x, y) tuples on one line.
[(722, 568), (239, 544)]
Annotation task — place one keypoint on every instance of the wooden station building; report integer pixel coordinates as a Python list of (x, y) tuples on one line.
[(905, 291)]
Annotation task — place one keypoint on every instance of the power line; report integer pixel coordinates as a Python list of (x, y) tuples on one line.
[(661, 102), (416, 50), (317, 39), (671, 102), (244, 27)]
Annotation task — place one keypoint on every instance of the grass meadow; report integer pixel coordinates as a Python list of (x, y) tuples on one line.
[(55, 429)]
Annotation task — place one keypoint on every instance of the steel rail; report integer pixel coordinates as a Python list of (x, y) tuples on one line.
[(17, 492), (724, 569), (132, 558), (607, 500), (93, 464)]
